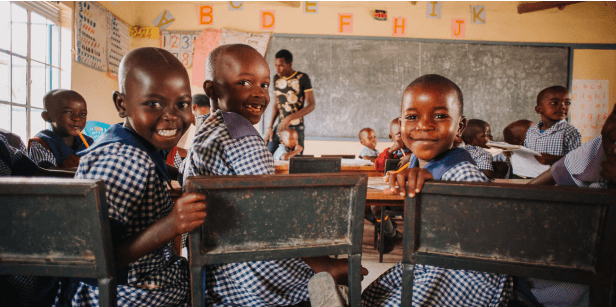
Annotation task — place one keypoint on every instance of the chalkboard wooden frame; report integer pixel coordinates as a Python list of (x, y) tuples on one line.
[(497, 129)]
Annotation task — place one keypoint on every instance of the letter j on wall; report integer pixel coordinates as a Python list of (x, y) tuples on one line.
[(458, 28)]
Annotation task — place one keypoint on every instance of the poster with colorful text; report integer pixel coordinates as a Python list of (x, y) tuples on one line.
[(590, 104), (256, 40), (118, 43), (181, 44), (91, 34)]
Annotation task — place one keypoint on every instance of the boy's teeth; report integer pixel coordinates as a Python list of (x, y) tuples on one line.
[(168, 132)]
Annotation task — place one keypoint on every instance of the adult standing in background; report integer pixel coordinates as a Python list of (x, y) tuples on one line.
[(294, 100)]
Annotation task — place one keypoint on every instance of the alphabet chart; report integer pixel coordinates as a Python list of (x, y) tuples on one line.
[(91, 34), (118, 43), (590, 104), (181, 44)]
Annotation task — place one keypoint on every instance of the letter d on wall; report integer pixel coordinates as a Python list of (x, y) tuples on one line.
[(268, 20)]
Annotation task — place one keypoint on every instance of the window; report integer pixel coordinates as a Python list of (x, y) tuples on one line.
[(29, 64)]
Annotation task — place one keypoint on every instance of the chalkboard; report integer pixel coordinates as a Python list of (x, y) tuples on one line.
[(358, 82)]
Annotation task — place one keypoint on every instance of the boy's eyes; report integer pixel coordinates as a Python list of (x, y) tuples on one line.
[(440, 116), (265, 85), (153, 104), (184, 104), (244, 82), (411, 117)]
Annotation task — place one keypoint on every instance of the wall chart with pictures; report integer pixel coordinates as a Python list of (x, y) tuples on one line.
[(91, 34), (118, 43)]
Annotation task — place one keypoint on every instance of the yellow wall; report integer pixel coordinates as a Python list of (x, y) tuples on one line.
[(588, 22)]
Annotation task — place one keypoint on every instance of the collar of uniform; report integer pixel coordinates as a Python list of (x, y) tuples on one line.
[(238, 125), (557, 126), (291, 76)]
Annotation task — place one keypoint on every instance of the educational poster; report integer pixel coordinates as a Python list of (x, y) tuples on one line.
[(144, 32), (256, 40), (589, 105), (204, 44), (91, 34), (118, 43), (180, 44)]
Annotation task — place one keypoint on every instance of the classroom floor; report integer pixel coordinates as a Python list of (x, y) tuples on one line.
[(370, 256)]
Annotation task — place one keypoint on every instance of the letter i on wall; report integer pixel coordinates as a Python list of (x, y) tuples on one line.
[(268, 20), (345, 23), (433, 10), (399, 26)]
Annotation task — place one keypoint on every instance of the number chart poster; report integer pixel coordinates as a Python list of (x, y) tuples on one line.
[(91, 34), (118, 43), (181, 44), (590, 104)]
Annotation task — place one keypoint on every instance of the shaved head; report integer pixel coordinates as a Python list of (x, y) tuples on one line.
[(54, 98), (215, 59), (473, 128), (515, 133), (434, 80), (147, 60)]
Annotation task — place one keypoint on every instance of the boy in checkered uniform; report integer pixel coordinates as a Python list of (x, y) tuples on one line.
[(591, 165), (431, 118), (476, 136), (226, 143), (154, 100), (553, 137)]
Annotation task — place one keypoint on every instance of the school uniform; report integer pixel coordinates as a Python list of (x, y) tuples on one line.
[(280, 152), (135, 178), (13, 160), (434, 285), (482, 157), (558, 140), (47, 149), (367, 152), (227, 144)]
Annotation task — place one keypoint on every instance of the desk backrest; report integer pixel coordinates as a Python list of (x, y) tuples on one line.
[(555, 233), (314, 165), (391, 165), (269, 217), (339, 156)]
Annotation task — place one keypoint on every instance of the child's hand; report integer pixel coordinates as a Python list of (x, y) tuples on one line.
[(608, 168), (412, 178), (298, 148), (395, 147), (188, 212), (404, 160), (547, 159)]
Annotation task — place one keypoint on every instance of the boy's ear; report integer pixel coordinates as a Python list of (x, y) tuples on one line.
[(538, 109), (391, 138), (45, 116), (210, 92), (461, 126), (120, 103)]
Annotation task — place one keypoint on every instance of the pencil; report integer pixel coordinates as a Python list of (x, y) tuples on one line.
[(399, 170), (83, 139)]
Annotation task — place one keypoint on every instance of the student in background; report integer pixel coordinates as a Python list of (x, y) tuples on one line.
[(592, 165), (289, 147), (66, 111), (514, 134), (367, 137), (200, 106), (476, 137), (553, 137), (397, 149), (154, 100), (226, 143), (431, 118)]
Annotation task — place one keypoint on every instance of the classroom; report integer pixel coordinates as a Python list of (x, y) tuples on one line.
[(354, 62)]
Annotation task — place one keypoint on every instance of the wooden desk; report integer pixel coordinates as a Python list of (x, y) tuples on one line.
[(284, 169), (376, 197)]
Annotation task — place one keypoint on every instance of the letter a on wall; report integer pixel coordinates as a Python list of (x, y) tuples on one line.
[(236, 5), (399, 24), (478, 13), (268, 20), (345, 23), (458, 28), (163, 20), (311, 7), (205, 15), (433, 11)]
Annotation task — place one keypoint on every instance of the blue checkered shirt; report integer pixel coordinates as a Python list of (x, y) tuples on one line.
[(17, 163), (581, 167), (41, 155), (435, 286), (137, 196), (367, 152), (481, 156), (227, 145), (559, 140)]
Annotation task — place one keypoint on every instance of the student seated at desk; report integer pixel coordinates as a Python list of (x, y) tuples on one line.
[(226, 143), (154, 100), (553, 136), (367, 137), (67, 113), (476, 137), (590, 165), (397, 149), (514, 134), (431, 118), (289, 146)]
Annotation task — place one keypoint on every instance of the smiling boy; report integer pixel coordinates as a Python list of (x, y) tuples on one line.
[(226, 143), (67, 113), (431, 118), (553, 137), (154, 100)]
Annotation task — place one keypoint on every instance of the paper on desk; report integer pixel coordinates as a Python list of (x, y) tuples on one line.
[(501, 145), (524, 163), (379, 186), (356, 162)]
